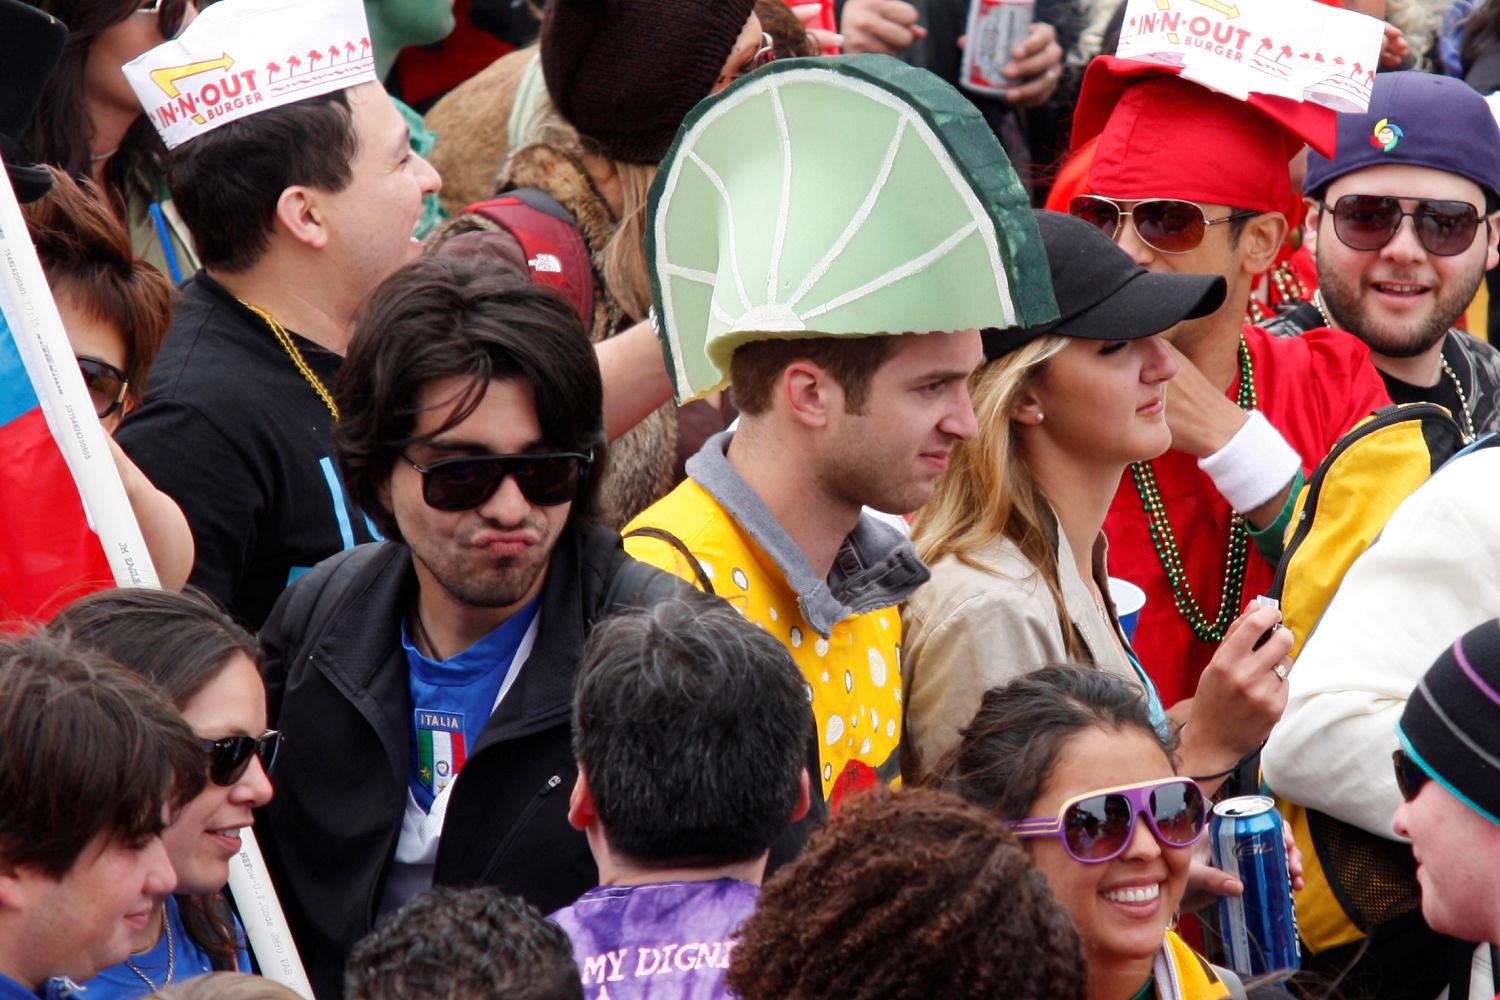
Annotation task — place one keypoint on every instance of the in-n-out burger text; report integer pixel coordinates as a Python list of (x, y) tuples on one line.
[(211, 100)]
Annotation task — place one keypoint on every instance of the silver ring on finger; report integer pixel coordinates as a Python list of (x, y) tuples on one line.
[(1281, 670)]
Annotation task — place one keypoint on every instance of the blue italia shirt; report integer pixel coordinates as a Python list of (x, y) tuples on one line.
[(452, 700)]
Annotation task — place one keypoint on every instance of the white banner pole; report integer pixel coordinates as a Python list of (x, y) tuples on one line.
[(265, 923), (44, 348), (33, 318)]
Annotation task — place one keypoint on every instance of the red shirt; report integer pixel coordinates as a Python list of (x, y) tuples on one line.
[(1312, 388)]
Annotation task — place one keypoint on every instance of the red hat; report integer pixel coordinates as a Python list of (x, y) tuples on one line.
[(1161, 136)]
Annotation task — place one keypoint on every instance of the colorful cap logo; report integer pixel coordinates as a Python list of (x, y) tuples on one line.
[(1385, 135)]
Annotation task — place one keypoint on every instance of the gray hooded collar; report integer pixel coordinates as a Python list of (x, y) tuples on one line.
[(875, 568)]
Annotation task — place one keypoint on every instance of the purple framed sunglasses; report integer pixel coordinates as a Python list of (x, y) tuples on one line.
[(1097, 826)]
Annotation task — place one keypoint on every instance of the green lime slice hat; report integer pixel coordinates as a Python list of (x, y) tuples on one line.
[(836, 197)]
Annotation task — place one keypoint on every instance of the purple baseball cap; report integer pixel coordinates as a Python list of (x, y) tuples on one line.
[(1418, 119)]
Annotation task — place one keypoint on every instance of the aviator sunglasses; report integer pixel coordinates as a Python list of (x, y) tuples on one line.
[(1097, 826), (1166, 225), (170, 15), (106, 385), (229, 758), (1409, 775), (544, 478), (1369, 222)]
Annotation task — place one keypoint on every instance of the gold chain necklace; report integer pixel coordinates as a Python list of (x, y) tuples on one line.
[(1458, 387), (287, 344), (166, 926)]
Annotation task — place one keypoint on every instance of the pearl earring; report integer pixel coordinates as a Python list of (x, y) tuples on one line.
[(1040, 416)]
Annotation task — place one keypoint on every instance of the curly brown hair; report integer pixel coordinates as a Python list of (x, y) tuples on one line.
[(909, 894)]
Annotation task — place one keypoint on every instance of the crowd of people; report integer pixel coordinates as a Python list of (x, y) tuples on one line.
[(653, 516)]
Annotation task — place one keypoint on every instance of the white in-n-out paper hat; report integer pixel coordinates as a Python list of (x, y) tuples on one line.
[(241, 57)]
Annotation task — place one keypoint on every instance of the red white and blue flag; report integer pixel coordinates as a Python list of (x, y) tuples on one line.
[(66, 526)]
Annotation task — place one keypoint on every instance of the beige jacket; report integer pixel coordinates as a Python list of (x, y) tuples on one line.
[(969, 629)]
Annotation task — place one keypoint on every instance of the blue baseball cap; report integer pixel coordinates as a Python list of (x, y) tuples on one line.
[(1418, 119)]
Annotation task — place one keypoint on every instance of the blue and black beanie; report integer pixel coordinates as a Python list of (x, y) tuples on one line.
[(1451, 724)]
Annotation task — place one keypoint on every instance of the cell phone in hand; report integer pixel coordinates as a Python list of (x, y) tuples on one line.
[(1266, 602)]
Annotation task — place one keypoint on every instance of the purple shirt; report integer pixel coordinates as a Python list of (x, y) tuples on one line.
[(663, 940)]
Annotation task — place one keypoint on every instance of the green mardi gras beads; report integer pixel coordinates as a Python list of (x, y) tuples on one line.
[(1165, 541)]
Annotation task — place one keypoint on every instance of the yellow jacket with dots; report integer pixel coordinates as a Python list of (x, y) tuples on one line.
[(844, 633)]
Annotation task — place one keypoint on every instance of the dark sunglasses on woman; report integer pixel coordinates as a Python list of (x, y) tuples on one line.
[(170, 15), (106, 385), (229, 758), (1369, 222), (1097, 826), (544, 478), (1166, 225), (1409, 775)]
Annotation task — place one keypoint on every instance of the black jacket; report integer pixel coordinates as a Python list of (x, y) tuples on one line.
[(337, 685)]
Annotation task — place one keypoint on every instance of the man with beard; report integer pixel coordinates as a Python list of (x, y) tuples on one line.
[(1428, 150), (424, 684)]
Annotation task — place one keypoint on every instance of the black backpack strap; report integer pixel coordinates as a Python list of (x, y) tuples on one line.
[(307, 608), (637, 585), (542, 202), (661, 534)]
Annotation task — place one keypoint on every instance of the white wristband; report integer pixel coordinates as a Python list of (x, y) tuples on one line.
[(1254, 466)]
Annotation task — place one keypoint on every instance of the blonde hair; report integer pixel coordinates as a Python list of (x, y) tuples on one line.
[(624, 257), (988, 489)]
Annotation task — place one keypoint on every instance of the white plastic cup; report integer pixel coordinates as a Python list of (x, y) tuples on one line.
[(1129, 599)]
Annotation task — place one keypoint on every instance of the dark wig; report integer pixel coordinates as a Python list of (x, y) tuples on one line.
[(1005, 756), (445, 317), (909, 895)]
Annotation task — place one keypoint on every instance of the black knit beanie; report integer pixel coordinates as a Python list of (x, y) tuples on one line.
[(625, 73), (1451, 724)]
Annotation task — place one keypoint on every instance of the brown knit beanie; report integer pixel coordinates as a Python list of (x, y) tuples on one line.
[(625, 73)]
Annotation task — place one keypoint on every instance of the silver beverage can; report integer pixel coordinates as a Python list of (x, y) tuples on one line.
[(995, 27)]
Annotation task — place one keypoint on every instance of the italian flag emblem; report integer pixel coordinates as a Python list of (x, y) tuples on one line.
[(440, 748)]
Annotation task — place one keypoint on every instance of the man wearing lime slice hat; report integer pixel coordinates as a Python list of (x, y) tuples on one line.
[(808, 228), (1190, 180)]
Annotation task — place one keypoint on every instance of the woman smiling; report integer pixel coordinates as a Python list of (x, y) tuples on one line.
[(207, 666), (1070, 758)]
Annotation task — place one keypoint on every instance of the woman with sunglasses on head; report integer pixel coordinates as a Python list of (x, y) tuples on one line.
[(1014, 530), (115, 308), (1070, 757), (209, 667), (90, 123)]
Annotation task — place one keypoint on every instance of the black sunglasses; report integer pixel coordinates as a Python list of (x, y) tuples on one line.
[(544, 478), (229, 758), (1167, 225), (1409, 775), (106, 385), (1369, 222), (169, 16)]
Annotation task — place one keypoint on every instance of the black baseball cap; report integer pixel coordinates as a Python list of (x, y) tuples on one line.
[(1102, 294)]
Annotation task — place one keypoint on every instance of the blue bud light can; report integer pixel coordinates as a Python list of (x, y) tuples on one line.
[(1260, 927)]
